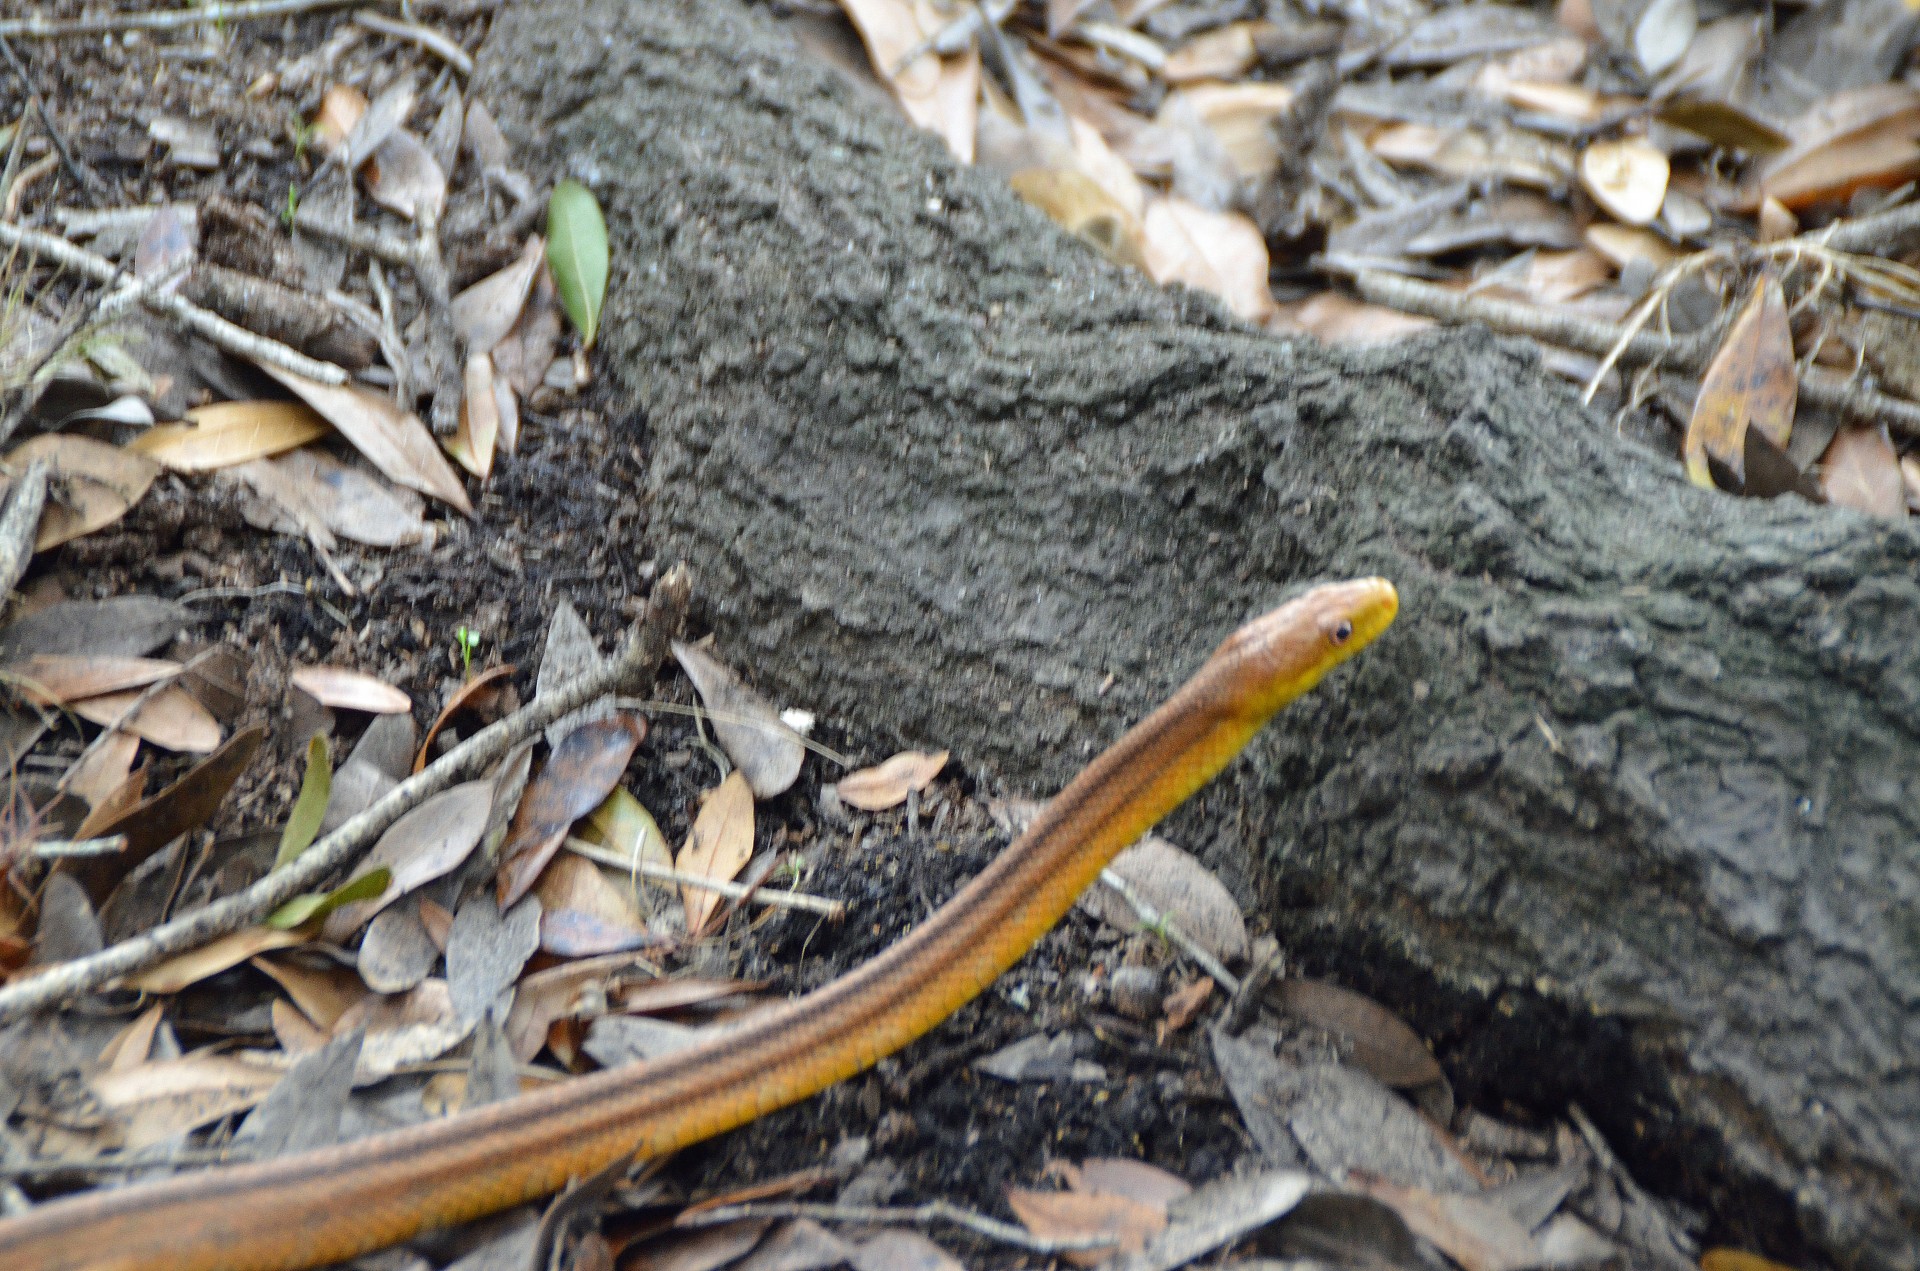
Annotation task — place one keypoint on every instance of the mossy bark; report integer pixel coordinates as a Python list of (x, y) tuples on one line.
[(1622, 810)]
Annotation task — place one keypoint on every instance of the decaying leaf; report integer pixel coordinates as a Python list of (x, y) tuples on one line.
[(1071, 1215), (1862, 471), (586, 765), (172, 719), (156, 1101), (217, 955), (583, 913), (887, 784), (54, 679), (486, 311), (1478, 1234), (1752, 382), (419, 847), (1180, 887), (1379, 1040), (751, 732), (90, 484), (717, 847), (392, 439)]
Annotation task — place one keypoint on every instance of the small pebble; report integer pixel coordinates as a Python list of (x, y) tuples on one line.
[(1137, 991)]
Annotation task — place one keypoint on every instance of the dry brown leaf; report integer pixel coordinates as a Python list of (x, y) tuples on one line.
[(545, 996), (1752, 381), (1336, 319), (1181, 1006), (1138, 1181), (392, 439), (1081, 206), (475, 694), (185, 805), (583, 912), (1226, 52), (156, 1101), (583, 769), (1623, 245), (403, 176), (420, 847), (1241, 116), (719, 844), (1378, 1040), (484, 313), (1857, 138), (217, 955), (1478, 1234), (941, 94), (172, 719), (1471, 154), (311, 493), (130, 1046), (230, 433), (294, 1031), (404, 1029), (342, 689), (1070, 1215), (1181, 888), (90, 484), (751, 732), (323, 993), (478, 431), (887, 784), (53, 679), (1628, 178), (1218, 252), (1862, 471), (104, 775), (341, 107), (896, 1249)]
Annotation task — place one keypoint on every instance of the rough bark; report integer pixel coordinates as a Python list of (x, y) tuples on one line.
[(1621, 811)]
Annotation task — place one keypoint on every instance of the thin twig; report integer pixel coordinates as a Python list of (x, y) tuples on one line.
[(1166, 926), (62, 849), (638, 660), (44, 28), (434, 42), (1817, 387), (773, 898), (388, 247), (202, 322), (917, 1215), (83, 176)]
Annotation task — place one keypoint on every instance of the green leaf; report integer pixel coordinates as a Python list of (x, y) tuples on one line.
[(312, 906), (577, 252), (315, 789)]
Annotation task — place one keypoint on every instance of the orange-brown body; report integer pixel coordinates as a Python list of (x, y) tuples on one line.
[(319, 1207)]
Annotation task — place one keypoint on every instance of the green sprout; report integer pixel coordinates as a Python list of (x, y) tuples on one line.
[(293, 205), (466, 639)]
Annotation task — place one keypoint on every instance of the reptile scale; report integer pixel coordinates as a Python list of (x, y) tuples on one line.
[(317, 1207)]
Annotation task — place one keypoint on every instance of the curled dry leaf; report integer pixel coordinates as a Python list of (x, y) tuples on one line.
[(719, 844), (583, 768), (751, 732), (231, 433), (217, 955), (1218, 252), (1859, 138), (155, 1101), (887, 784), (471, 694), (484, 313), (341, 689), (1751, 382), (323, 991), (91, 484)]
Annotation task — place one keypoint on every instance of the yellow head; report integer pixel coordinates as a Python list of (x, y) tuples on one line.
[(1283, 653)]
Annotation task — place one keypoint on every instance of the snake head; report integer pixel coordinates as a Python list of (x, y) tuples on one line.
[(1283, 653)]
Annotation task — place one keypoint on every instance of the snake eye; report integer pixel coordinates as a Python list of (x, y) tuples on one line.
[(1343, 632)]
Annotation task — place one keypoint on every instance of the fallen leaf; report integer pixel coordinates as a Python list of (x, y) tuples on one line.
[(342, 689), (478, 431), (1182, 1005), (1628, 178), (1136, 1180), (887, 784), (130, 1046), (1752, 381), (1241, 116), (1181, 888), (1079, 205), (393, 440), (420, 847), (406, 1029), (230, 433), (751, 732), (545, 996), (172, 719), (310, 489), (896, 1250), (311, 907), (104, 777), (1859, 138), (1478, 1234), (219, 954), (583, 913), (469, 695), (484, 313), (1129, 1224), (1377, 1039), (129, 625), (1218, 252), (1333, 318), (397, 952), (156, 1101), (578, 255), (341, 107), (586, 765), (403, 176), (323, 992), (90, 484), (717, 847), (1624, 244), (54, 679), (1861, 471), (487, 949)]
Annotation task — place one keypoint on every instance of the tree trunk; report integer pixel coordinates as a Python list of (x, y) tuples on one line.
[(1621, 811)]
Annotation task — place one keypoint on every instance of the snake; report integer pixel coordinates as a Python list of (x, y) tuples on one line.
[(315, 1207)]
